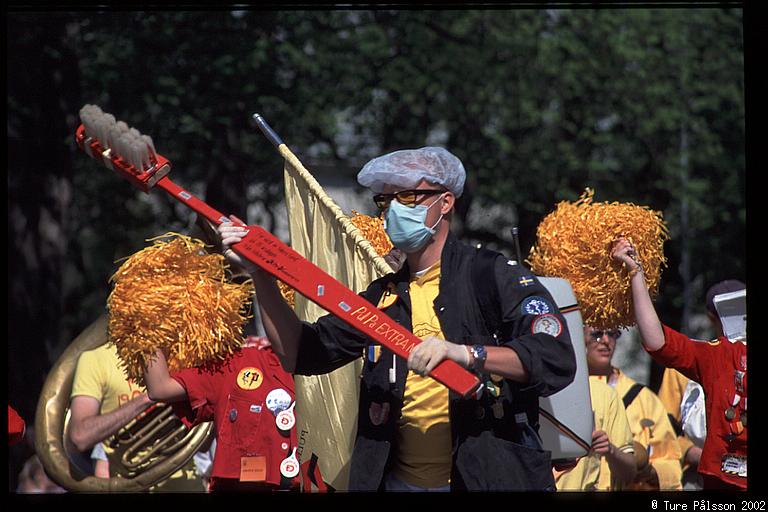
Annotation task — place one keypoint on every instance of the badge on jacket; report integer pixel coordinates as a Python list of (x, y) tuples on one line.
[(278, 400), (249, 378), (548, 324)]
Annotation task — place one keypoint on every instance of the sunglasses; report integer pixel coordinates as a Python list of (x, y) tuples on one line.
[(404, 197), (596, 336)]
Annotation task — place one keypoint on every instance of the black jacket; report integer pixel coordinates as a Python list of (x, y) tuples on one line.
[(488, 453)]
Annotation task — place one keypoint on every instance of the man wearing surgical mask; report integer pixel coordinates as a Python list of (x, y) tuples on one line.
[(413, 433)]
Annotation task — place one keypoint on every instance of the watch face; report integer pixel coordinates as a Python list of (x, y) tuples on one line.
[(480, 354)]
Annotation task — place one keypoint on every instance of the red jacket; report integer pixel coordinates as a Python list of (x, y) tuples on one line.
[(16, 426), (721, 368), (234, 395)]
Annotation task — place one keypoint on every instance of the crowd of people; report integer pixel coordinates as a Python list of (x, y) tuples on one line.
[(413, 433)]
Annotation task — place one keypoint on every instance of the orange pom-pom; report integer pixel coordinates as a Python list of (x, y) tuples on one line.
[(574, 242), (176, 297)]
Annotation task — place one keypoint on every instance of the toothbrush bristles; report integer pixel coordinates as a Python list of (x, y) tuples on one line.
[(128, 143)]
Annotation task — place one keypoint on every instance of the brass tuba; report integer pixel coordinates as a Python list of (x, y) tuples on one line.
[(148, 449)]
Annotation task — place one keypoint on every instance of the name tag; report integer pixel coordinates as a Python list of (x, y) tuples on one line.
[(253, 469), (734, 465)]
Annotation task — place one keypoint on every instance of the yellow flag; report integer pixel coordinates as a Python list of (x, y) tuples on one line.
[(327, 405)]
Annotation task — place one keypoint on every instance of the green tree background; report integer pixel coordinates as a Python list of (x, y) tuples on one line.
[(643, 105)]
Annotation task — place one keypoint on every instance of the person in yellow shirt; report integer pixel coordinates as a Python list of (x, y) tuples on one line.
[(651, 428), (413, 434), (671, 392), (102, 401), (611, 441)]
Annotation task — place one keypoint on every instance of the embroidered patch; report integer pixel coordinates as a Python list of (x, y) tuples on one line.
[(249, 378), (536, 306), (525, 281), (548, 324)]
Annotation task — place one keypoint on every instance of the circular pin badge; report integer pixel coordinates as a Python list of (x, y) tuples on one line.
[(730, 413), (289, 468), (285, 420), (249, 378), (232, 415), (278, 400), (743, 418), (547, 324)]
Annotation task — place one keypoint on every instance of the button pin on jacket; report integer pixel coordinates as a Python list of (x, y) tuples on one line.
[(289, 468), (232, 415), (278, 400), (285, 420)]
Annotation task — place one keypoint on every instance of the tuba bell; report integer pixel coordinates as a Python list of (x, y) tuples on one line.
[(149, 449)]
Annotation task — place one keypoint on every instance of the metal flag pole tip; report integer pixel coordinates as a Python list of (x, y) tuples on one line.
[(266, 129)]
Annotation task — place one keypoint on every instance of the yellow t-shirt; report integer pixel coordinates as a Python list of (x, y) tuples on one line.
[(100, 375), (424, 433), (611, 418), (651, 428)]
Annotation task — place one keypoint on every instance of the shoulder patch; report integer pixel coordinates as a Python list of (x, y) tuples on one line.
[(535, 305), (547, 324)]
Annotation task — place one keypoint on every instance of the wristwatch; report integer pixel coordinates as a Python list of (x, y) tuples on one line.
[(480, 355)]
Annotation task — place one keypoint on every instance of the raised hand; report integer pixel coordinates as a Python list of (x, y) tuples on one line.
[(230, 234), (624, 252)]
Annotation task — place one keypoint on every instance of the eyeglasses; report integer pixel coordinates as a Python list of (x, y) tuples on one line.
[(404, 197), (596, 336)]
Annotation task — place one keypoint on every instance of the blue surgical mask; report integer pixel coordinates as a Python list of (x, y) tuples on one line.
[(405, 226)]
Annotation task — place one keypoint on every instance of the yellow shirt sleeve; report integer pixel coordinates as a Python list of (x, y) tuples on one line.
[(616, 424), (613, 421), (89, 377), (651, 427), (671, 391)]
